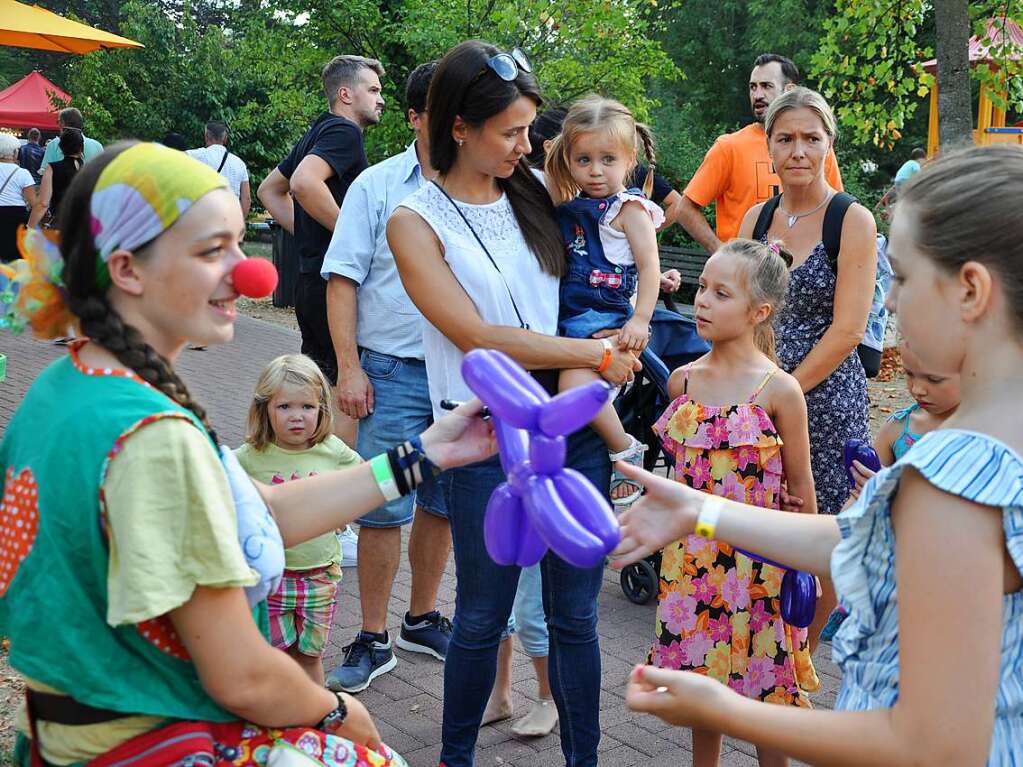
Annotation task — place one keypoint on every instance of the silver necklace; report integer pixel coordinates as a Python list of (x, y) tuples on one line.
[(794, 217)]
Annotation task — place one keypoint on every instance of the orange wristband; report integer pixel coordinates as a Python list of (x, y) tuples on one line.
[(605, 361)]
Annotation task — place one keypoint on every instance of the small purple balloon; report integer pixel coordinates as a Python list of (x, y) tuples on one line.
[(509, 537), (797, 595), (542, 505)]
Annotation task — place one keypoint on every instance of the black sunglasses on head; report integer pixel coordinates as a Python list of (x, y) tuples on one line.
[(506, 65)]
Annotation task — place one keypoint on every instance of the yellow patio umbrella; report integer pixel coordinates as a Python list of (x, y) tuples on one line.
[(29, 26)]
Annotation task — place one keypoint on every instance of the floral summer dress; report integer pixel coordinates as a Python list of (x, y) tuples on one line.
[(718, 611)]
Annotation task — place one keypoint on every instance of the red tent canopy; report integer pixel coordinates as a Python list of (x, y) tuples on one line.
[(27, 103)]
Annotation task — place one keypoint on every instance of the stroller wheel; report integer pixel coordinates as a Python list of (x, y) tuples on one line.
[(639, 582)]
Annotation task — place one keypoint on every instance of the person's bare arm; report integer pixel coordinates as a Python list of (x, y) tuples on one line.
[(672, 204), (948, 680), (275, 194), (442, 300), (639, 230), (749, 221), (309, 185), (669, 509), (245, 198), (29, 195), (691, 217), (854, 293), (354, 390), (42, 202), (789, 416)]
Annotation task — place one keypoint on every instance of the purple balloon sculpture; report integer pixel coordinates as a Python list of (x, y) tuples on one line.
[(543, 505)]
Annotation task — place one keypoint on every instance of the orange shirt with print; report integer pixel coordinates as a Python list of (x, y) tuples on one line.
[(737, 174)]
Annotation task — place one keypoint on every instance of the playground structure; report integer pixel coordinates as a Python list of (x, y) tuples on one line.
[(991, 127)]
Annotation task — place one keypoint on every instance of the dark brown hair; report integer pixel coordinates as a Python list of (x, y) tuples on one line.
[(965, 207), (99, 320), (463, 86)]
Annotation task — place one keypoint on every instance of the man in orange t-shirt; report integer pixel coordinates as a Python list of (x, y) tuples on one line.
[(737, 173)]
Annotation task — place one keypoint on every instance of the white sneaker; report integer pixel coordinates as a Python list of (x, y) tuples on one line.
[(349, 541)]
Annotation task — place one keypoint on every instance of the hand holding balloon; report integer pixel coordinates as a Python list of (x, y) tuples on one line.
[(542, 505)]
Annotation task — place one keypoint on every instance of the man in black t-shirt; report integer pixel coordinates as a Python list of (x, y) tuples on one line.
[(304, 193)]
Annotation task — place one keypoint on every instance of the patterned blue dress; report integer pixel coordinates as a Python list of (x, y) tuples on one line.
[(837, 408), (966, 464)]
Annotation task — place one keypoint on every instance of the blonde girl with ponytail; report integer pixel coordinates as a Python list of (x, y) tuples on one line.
[(610, 236), (737, 429)]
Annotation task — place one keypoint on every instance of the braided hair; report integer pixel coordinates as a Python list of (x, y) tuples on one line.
[(99, 321), (646, 138)]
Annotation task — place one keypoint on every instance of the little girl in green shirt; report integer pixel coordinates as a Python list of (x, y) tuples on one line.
[(290, 437)]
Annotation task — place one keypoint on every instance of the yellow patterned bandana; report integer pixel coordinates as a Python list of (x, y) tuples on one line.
[(142, 192), (138, 196)]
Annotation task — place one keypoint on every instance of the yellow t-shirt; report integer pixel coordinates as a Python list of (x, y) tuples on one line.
[(737, 173), (273, 465), (172, 527)]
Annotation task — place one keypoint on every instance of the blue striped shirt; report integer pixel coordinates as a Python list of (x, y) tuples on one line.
[(388, 322), (972, 466)]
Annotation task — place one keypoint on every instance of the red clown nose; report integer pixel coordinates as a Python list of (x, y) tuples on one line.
[(255, 278)]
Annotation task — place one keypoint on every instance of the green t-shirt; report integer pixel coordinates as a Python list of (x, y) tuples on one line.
[(273, 465)]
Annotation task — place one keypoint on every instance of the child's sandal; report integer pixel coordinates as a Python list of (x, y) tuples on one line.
[(633, 454)]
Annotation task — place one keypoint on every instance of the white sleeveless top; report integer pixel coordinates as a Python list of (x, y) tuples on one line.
[(535, 292)]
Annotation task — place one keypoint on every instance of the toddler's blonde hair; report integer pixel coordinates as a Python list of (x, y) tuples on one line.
[(594, 114)]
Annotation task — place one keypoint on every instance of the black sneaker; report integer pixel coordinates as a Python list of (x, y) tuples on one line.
[(365, 660), (430, 635)]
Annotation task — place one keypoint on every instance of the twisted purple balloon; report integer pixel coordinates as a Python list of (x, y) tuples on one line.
[(543, 505)]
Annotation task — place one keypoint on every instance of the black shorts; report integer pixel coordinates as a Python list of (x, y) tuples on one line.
[(311, 313)]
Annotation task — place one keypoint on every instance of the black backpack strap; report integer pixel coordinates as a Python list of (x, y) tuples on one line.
[(832, 229), (765, 218)]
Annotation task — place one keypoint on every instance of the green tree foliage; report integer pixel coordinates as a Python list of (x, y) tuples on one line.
[(258, 67), (868, 63)]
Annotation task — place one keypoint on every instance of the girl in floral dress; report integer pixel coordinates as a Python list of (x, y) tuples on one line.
[(737, 428)]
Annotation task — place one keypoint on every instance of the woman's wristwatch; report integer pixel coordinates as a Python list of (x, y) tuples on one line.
[(334, 719)]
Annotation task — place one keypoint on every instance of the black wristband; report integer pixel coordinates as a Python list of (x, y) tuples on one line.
[(334, 718)]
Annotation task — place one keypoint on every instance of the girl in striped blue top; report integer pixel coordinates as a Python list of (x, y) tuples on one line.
[(929, 559)]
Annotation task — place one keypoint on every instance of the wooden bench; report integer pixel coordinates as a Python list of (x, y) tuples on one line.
[(689, 262)]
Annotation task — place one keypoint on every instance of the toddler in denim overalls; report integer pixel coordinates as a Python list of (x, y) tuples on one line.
[(611, 243)]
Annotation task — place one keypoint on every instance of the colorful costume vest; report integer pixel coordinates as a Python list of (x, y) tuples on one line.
[(54, 556)]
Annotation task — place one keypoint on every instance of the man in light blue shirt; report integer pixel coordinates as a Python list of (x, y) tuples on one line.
[(377, 336), (69, 118)]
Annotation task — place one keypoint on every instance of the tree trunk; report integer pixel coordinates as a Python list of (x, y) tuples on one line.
[(955, 110)]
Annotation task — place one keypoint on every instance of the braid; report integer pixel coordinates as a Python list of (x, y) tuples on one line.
[(98, 319), (101, 323), (646, 136)]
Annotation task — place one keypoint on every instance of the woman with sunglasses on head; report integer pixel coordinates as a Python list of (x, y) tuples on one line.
[(480, 254)]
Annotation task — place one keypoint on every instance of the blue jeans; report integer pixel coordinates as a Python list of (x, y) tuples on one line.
[(527, 620), (401, 410), (484, 595)]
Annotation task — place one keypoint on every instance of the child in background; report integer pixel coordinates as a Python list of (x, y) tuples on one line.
[(737, 428), (937, 397), (290, 437), (611, 237)]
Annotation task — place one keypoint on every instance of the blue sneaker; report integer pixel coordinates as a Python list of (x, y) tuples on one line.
[(429, 636), (365, 660)]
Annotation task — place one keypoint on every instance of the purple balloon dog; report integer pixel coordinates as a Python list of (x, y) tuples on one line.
[(543, 505)]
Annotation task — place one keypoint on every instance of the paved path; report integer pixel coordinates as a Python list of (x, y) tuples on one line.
[(407, 702)]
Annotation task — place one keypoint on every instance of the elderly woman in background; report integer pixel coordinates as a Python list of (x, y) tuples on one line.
[(828, 301), (17, 195)]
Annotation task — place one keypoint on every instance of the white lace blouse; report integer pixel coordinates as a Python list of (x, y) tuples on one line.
[(520, 280)]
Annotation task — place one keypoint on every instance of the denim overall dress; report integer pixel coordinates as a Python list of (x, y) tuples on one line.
[(595, 293)]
